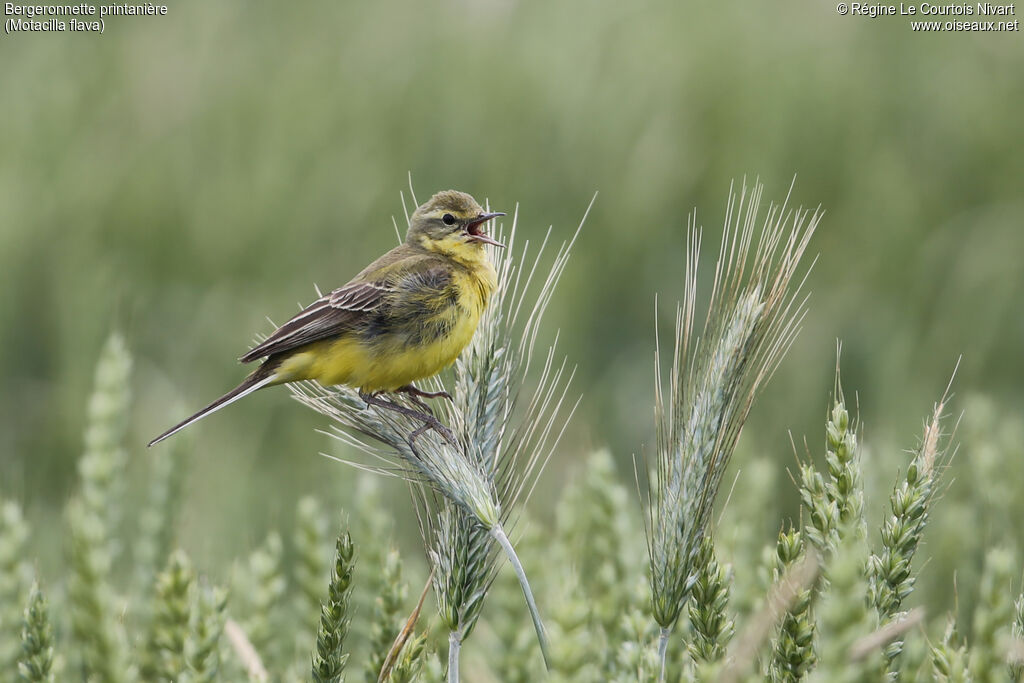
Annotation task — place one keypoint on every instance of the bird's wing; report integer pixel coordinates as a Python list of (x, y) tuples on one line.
[(399, 284), (327, 316)]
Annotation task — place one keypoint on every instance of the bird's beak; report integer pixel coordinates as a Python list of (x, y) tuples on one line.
[(476, 233)]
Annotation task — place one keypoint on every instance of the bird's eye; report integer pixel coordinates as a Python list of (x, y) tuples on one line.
[(448, 219)]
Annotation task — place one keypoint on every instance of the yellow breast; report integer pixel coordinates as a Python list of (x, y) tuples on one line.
[(387, 363)]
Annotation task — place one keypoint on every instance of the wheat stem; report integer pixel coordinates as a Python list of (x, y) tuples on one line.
[(663, 651), (499, 535), (454, 648)]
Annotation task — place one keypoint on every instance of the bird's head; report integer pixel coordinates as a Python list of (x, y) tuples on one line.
[(451, 223)]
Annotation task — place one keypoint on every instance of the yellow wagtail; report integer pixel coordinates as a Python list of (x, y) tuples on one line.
[(405, 317)]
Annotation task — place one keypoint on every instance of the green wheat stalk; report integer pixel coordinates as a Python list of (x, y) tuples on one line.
[(489, 376), (171, 620), (711, 628), (834, 504), (262, 585), (785, 593), (387, 619), (329, 658), (845, 486), (93, 518), (844, 615), (36, 661), (595, 523), (502, 443), (716, 374), (311, 567), (950, 657), (891, 578), (159, 514), (462, 554), (507, 613), (411, 661), (576, 647), (202, 649), (14, 533), (793, 654), (993, 616), (1017, 631)]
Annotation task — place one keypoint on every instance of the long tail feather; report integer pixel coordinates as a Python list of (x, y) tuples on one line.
[(257, 380)]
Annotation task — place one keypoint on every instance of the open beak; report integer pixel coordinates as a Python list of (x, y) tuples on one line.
[(475, 231)]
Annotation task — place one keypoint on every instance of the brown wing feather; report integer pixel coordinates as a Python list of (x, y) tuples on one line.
[(325, 317)]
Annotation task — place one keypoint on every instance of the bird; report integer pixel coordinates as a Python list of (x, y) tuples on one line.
[(403, 318)]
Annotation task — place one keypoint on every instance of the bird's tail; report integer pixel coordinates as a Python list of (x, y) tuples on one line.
[(257, 380)]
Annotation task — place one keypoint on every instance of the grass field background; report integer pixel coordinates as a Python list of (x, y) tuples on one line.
[(179, 178)]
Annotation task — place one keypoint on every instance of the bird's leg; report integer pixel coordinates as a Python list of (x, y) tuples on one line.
[(374, 399), (436, 426), (420, 404), (416, 434), (429, 421), (415, 394)]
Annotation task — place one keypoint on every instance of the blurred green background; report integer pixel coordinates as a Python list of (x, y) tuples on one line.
[(180, 178)]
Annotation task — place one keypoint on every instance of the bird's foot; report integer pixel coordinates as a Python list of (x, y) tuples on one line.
[(369, 398), (426, 417), (419, 393), (436, 425)]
